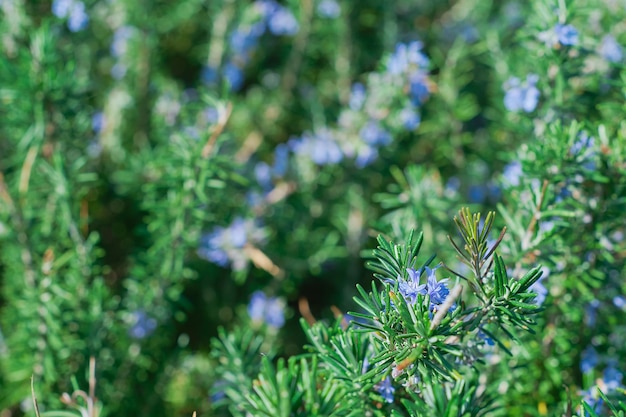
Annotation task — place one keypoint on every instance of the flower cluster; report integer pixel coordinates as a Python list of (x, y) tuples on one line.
[(521, 96), (73, 11), (244, 39), (225, 246), (437, 291), (387, 105)]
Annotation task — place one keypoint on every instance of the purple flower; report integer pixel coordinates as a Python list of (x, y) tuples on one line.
[(143, 325), (267, 309), (329, 9), (567, 35), (321, 147), (386, 389), (437, 291), (521, 96), (610, 49), (373, 134), (588, 359)]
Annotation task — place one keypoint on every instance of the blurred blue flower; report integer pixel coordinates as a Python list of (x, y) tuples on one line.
[(245, 38), (418, 88), (357, 96), (477, 193), (321, 147), (591, 397), (365, 155), (407, 58), (263, 175), (282, 22), (119, 45), (612, 377), (567, 35), (209, 75), (97, 122), (588, 359), (74, 11), (610, 49), (223, 246), (483, 337), (143, 325), (265, 309), (410, 118), (234, 76), (281, 160), (620, 302), (373, 134), (329, 9), (512, 174), (521, 96), (386, 389)]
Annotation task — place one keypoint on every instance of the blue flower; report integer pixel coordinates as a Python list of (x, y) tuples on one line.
[(282, 22), (321, 147), (74, 11), (234, 76), (483, 337), (143, 325), (521, 96), (410, 118), (610, 49), (209, 75), (329, 9), (373, 134), (512, 174), (411, 288), (588, 359), (407, 58), (567, 35), (386, 389), (119, 45), (263, 175), (97, 122), (365, 155), (357, 96), (245, 38), (269, 310), (612, 377), (437, 290), (418, 88), (223, 246), (281, 160)]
